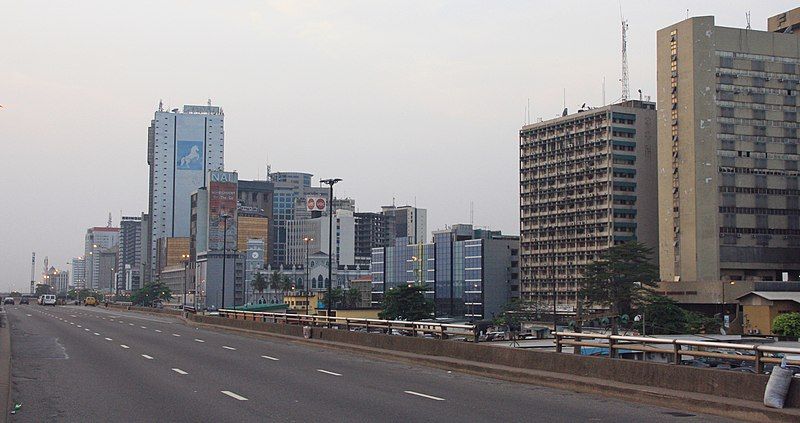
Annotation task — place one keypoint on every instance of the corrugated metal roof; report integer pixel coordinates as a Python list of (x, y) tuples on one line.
[(775, 295)]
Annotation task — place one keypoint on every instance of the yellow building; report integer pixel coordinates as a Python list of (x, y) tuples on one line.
[(761, 307), (171, 252), (251, 226), (297, 301)]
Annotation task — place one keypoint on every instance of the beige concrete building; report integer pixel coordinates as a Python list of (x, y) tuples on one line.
[(587, 182), (727, 157)]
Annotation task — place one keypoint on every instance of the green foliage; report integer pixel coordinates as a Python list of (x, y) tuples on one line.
[(662, 316), (352, 297), (510, 315), (698, 323), (620, 279), (259, 283), (787, 324), (150, 293), (42, 289), (286, 284), (406, 303), (81, 294), (337, 298), (275, 280)]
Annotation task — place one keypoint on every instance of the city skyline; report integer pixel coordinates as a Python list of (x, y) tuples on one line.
[(416, 88)]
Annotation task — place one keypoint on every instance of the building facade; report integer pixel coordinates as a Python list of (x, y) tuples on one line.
[(99, 240), (292, 190), (318, 229), (78, 273), (372, 230), (728, 157), (182, 148), (256, 199), (408, 221), (587, 183), (130, 253), (466, 272)]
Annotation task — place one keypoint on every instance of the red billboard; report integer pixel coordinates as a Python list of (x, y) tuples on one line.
[(222, 201)]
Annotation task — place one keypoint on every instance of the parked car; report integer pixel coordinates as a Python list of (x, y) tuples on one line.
[(8, 300), (49, 299), (90, 301), (23, 300)]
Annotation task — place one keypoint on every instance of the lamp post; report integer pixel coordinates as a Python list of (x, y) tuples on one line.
[(306, 288), (722, 314), (185, 258), (224, 217), (330, 182)]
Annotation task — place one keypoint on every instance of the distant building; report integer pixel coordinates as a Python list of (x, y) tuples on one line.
[(587, 183), (256, 198), (318, 274), (318, 229), (171, 252), (372, 230), (99, 240), (182, 148), (130, 253), (253, 264), (57, 279), (466, 272), (728, 156), (253, 225), (292, 192), (348, 204), (410, 222), (78, 272)]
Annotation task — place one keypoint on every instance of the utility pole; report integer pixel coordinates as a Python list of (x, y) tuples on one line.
[(225, 218), (330, 182)]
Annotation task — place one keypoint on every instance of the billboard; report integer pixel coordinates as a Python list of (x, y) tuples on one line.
[(222, 200), (316, 204), (189, 155)]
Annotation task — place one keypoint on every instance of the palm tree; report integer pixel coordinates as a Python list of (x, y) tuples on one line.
[(275, 283), (259, 283)]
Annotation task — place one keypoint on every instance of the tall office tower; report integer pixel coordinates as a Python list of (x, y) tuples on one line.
[(292, 192), (130, 252), (409, 221), (182, 148), (145, 270), (78, 273), (317, 229), (727, 158), (255, 213), (587, 182), (98, 244), (373, 230)]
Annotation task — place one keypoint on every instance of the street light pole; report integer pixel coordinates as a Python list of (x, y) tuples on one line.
[(225, 218), (330, 182), (306, 287), (185, 276)]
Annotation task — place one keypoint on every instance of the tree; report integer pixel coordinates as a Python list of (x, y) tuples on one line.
[(286, 284), (663, 316), (42, 289), (151, 292), (620, 279), (337, 297), (352, 298), (275, 282), (259, 283), (406, 303), (787, 324), (511, 315)]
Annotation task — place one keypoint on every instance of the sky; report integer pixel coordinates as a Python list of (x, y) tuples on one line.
[(416, 102)]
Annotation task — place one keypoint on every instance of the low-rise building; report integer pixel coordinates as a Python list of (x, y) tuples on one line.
[(760, 308)]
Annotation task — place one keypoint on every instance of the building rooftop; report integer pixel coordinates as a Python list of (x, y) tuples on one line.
[(775, 295)]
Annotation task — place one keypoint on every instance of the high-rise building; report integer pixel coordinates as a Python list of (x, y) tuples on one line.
[(255, 213), (317, 229), (130, 253), (100, 241), (409, 221), (57, 279), (727, 158), (373, 230), (466, 272), (587, 182), (292, 192), (78, 272), (182, 149)]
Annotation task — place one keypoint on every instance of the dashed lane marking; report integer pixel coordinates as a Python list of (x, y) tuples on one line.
[(179, 371), (229, 348), (234, 395), (424, 395), (328, 373), (269, 358), (147, 356), (124, 346)]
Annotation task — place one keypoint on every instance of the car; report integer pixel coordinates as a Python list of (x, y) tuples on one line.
[(23, 300), (8, 300), (90, 301), (49, 300)]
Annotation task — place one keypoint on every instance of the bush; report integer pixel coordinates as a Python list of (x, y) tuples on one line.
[(787, 324)]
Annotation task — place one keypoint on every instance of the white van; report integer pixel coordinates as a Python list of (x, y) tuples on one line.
[(49, 299)]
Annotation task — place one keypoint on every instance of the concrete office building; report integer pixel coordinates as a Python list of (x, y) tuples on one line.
[(145, 266), (78, 273), (372, 230), (317, 228), (99, 240), (587, 182), (107, 269), (256, 199), (57, 279), (409, 221), (728, 157), (467, 272), (182, 148), (292, 190), (253, 224), (130, 253)]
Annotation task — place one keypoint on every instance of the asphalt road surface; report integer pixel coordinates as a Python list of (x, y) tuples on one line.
[(84, 364)]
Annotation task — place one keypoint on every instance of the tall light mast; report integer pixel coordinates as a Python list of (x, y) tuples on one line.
[(625, 83)]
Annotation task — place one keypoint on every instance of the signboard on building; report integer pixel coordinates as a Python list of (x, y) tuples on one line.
[(316, 204), (222, 201)]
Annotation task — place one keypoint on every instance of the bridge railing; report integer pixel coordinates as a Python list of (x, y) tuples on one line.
[(437, 330), (758, 354)]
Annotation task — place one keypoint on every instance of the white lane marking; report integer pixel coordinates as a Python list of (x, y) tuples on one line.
[(158, 330), (175, 334), (179, 371), (109, 339), (424, 396), (130, 324), (124, 346), (229, 348), (29, 315), (72, 323), (269, 358), (143, 327), (97, 334), (80, 326), (328, 373), (147, 356), (199, 340), (72, 315), (234, 395), (86, 329)]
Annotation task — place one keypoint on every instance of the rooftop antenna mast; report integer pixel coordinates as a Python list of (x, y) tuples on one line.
[(471, 213), (625, 82), (748, 19), (109, 220)]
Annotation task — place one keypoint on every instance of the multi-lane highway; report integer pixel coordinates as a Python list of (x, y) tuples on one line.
[(90, 364)]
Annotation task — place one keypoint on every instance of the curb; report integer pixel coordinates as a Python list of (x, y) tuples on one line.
[(5, 366), (699, 403)]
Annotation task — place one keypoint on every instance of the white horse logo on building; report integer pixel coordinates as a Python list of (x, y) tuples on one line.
[(194, 155)]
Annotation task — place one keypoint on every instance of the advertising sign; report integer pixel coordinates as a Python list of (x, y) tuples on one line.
[(316, 204), (189, 155), (222, 200)]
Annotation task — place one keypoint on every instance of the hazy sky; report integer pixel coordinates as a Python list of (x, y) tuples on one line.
[(413, 100)]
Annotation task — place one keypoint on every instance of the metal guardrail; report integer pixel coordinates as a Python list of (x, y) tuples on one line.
[(438, 330), (757, 354)]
